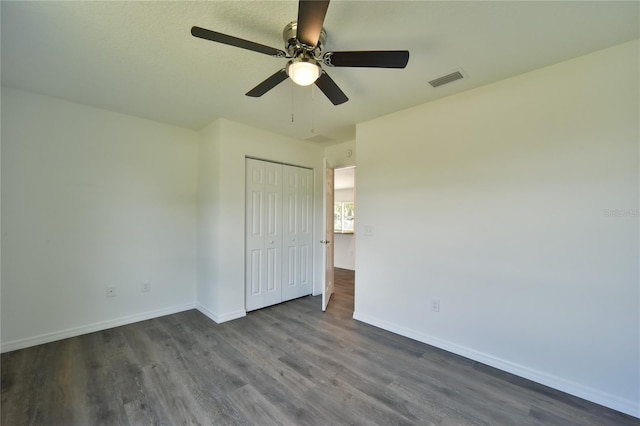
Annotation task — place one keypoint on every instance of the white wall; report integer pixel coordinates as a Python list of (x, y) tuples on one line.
[(346, 194), (225, 145), (344, 251), (208, 217), (518, 206), (91, 199), (341, 155)]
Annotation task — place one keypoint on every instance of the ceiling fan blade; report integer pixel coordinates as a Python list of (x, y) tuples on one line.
[(311, 15), (237, 42), (331, 89), (371, 58), (268, 84)]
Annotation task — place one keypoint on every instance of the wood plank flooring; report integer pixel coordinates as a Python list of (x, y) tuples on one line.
[(287, 364)]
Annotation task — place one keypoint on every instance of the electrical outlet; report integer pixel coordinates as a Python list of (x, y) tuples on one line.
[(111, 291), (145, 287), (435, 305)]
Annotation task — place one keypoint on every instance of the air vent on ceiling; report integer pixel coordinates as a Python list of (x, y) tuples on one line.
[(445, 79), (320, 139)]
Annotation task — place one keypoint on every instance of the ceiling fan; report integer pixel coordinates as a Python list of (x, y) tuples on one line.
[(304, 41)]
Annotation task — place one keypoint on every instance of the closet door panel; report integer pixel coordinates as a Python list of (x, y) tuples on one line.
[(273, 233), (297, 236), (305, 232), (263, 230), (290, 221)]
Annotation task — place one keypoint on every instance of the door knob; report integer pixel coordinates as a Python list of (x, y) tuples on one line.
[(325, 241)]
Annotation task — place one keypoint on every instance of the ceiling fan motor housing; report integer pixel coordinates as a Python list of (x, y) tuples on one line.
[(295, 48)]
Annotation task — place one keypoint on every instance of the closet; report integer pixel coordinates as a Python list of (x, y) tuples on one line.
[(279, 231)]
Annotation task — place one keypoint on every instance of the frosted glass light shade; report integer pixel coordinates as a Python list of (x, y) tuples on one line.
[(303, 71)]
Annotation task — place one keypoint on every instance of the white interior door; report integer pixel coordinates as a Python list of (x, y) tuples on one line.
[(297, 232), (327, 289), (263, 264)]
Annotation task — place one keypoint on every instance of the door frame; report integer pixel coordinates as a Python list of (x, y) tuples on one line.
[(327, 234)]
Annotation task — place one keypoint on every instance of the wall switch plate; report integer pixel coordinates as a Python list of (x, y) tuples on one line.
[(145, 287), (435, 305), (111, 291)]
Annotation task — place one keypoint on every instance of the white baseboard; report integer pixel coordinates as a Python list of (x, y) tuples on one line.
[(219, 319), (90, 328), (629, 407), (347, 267)]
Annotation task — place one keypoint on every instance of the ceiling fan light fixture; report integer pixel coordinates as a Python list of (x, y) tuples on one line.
[(303, 70)]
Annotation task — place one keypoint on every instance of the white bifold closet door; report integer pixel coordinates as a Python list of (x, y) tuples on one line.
[(279, 214)]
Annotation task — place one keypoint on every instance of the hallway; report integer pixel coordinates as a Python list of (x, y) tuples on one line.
[(341, 302)]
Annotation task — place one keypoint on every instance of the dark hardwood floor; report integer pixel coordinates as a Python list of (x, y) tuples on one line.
[(287, 364), (341, 302)]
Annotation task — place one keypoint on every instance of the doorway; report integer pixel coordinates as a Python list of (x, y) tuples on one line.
[(342, 301), (344, 218), (344, 236)]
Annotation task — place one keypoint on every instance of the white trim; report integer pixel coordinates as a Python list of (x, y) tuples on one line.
[(90, 328), (611, 401), (217, 318)]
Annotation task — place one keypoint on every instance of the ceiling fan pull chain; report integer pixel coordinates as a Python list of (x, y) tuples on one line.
[(292, 105), (313, 109)]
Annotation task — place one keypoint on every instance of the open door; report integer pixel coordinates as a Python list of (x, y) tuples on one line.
[(327, 289)]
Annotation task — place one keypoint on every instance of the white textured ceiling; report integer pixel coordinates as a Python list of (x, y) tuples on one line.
[(139, 58)]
